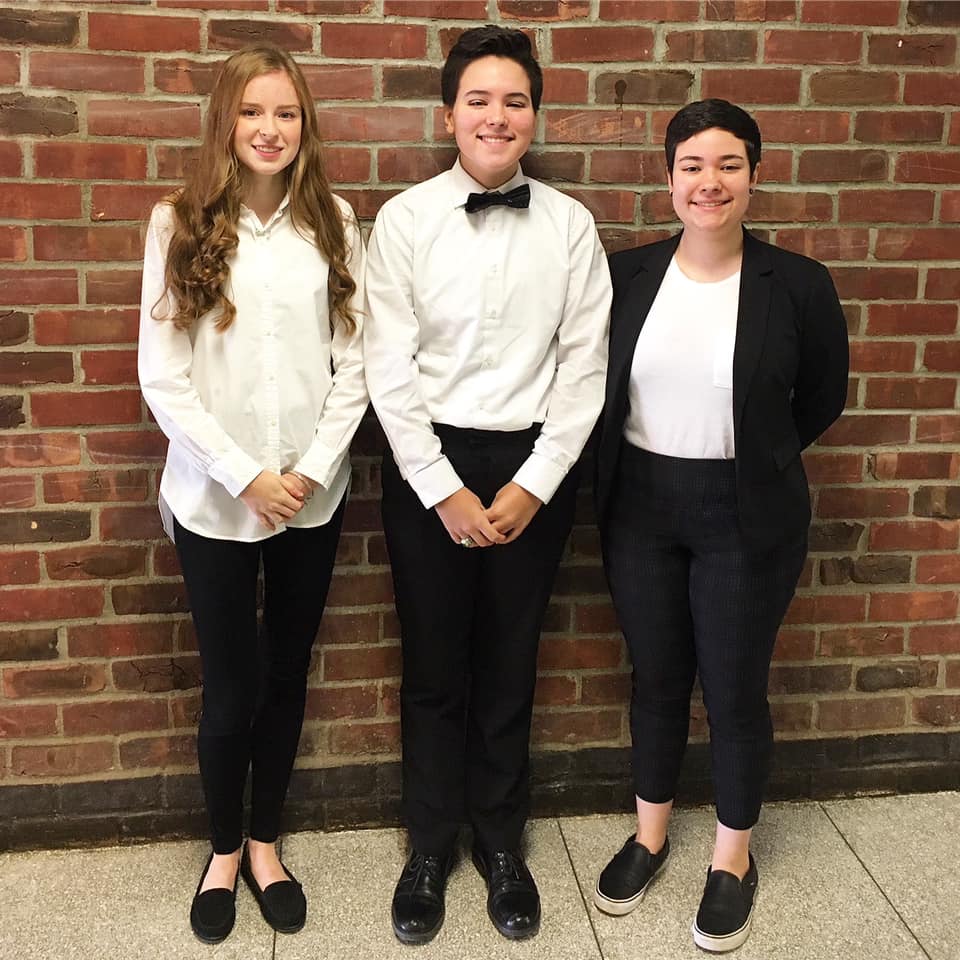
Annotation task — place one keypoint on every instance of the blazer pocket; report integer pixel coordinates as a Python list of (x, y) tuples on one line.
[(786, 451)]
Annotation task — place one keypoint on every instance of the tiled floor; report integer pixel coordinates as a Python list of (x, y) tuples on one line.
[(875, 879)]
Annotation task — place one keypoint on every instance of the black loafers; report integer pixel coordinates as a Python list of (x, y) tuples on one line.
[(213, 912), (726, 910), (282, 903), (513, 902), (418, 901), (626, 877)]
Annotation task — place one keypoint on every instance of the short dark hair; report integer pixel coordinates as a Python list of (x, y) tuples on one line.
[(713, 114), (490, 41)]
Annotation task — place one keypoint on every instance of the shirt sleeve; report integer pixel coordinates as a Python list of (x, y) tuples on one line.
[(577, 396), (347, 400), (164, 362), (391, 339)]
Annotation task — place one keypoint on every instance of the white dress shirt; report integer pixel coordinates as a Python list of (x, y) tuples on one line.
[(272, 392), (493, 320), (681, 379)]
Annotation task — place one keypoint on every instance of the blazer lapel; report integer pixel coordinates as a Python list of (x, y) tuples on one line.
[(754, 307)]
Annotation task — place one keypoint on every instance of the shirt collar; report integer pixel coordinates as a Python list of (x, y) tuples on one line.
[(247, 214), (463, 184)]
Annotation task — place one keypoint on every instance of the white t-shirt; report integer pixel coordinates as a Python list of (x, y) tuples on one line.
[(681, 379)]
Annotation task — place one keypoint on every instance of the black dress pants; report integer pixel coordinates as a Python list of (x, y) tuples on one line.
[(689, 596), (254, 685), (470, 622)]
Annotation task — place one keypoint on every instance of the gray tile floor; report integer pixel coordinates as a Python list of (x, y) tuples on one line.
[(873, 878)]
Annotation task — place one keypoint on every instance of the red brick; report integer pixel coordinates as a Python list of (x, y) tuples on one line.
[(56, 681), (361, 663), (234, 34), (23, 722), (542, 9), (565, 85), (911, 319), (13, 244), (87, 243), (935, 88), (165, 562), (119, 287), (595, 126), (882, 355), (913, 606), (27, 644), (938, 429), (565, 165), (19, 566), (350, 628), (22, 287), (927, 392), (349, 590), (937, 710), (39, 201), (752, 86), (893, 127), (164, 752), (366, 203), (160, 597), (630, 166), (53, 327), (942, 284), (342, 703), (850, 502), (86, 71), (125, 201), (928, 166), (605, 688), (931, 243), (878, 206), (20, 368), (223, 4), (377, 41), (10, 68), (950, 206), (824, 166), (938, 569), (580, 653), (610, 206), (878, 13), (339, 81), (775, 206), (582, 726), (861, 642), (809, 46), (643, 86), (365, 738), (833, 467), (794, 644), (139, 638), (706, 46), (601, 44), (919, 49), (62, 760), (437, 9), (833, 243), (143, 118), (371, 123), (150, 34), (182, 75), (105, 367), (11, 159), (122, 446), (96, 486), (554, 691), (80, 408), (914, 535), (157, 674), (953, 137), (114, 716), (875, 283), (803, 126), (853, 87), (915, 466), (876, 713), (933, 638), (827, 608), (39, 450), (657, 10), (413, 164), (130, 523)]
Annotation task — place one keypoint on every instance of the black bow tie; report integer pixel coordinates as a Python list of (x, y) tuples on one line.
[(518, 198)]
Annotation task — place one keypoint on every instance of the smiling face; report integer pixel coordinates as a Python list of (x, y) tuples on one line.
[(711, 181), (267, 134), (492, 119)]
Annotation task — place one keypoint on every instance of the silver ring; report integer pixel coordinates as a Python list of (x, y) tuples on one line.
[(467, 541)]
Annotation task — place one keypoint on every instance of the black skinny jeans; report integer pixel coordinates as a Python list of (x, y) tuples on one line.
[(691, 596), (254, 685)]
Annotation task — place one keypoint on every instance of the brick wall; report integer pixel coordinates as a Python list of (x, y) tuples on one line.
[(100, 107)]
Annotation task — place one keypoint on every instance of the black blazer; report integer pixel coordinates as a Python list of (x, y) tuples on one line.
[(790, 365)]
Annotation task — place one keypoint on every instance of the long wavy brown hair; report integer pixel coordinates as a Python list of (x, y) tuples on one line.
[(207, 207)]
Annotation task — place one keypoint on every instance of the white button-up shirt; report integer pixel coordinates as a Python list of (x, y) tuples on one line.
[(272, 392), (493, 320)]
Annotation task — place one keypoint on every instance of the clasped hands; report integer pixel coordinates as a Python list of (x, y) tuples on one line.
[(275, 497), (464, 515)]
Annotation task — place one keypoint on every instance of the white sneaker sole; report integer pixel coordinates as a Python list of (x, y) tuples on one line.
[(620, 908), (726, 943)]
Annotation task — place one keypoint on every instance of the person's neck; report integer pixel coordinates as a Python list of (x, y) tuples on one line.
[(491, 181), (710, 257), (263, 195)]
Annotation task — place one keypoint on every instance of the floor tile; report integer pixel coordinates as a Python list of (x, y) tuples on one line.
[(815, 901), (349, 879), (116, 902), (911, 846)]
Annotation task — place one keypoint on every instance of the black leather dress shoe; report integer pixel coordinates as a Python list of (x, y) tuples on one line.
[(418, 900), (213, 912), (513, 902), (282, 903)]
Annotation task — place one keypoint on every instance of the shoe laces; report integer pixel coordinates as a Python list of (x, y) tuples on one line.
[(506, 862)]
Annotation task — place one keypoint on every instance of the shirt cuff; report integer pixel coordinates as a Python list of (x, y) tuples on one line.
[(235, 471), (435, 483), (539, 476), (319, 468)]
